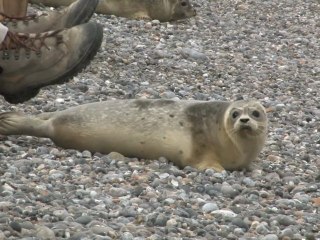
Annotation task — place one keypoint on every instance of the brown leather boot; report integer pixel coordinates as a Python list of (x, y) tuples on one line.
[(77, 13), (31, 61)]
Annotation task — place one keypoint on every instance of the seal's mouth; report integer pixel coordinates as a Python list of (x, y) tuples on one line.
[(246, 128)]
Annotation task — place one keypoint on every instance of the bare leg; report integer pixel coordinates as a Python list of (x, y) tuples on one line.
[(14, 8), (3, 32)]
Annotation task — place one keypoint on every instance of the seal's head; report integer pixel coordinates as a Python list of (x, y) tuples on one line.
[(182, 9), (246, 119)]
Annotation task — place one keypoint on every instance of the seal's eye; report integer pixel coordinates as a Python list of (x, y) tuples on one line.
[(235, 114), (183, 3), (256, 113)]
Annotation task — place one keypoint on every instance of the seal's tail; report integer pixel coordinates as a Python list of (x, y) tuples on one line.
[(14, 123)]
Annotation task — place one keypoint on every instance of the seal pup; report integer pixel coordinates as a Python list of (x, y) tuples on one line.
[(162, 10), (218, 135)]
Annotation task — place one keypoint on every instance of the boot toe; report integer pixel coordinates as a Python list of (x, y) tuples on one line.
[(81, 12)]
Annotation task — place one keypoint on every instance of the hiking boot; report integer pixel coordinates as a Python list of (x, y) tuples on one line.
[(77, 13), (31, 61)]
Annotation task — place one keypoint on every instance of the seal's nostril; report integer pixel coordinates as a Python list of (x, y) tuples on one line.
[(244, 120)]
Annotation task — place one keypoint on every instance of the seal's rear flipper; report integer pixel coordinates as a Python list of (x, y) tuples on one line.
[(10, 123), (14, 123)]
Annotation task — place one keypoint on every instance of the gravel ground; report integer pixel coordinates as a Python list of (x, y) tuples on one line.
[(264, 49)]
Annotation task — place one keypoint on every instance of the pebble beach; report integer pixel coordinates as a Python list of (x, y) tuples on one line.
[(237, 49)]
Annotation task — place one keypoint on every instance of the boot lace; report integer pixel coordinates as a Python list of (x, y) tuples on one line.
[(30, 42), (6, 18)]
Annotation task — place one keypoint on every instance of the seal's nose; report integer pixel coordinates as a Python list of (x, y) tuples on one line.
[(244, 120)]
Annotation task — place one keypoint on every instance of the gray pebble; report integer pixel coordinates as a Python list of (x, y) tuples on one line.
[(209, 207), (44, 233), (240, 223), (285, 220), (248, 182), (161, 220), (61, 214), (86, 154), (192, 53), (84, 219), (15, 226), (263, 228), (227, 214), (127, 236), (228, 190), (117, 192), (270, 237), (287, 232)]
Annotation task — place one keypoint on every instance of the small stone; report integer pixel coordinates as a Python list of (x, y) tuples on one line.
[(15, 226), (161, 220), (117, 192), (60, 100), (249, 182), (116, 156), (270, 237), (101, 230), (285, 220), (316, 202), (209, 207), (164, 175), (240, 223), (174, 183), (310, 236), (27, 225), (287, 232), (169, 201), (264, 194), (228, 191), (128, 212), (168, 95), (2, 236), (61, 214), (56, 174), (93, 194), (44, 233), (148, 25), (192, 53), (127, 236), (302, 197), (262, 228), (171, 223), (86, 154), (155, 22), (225, 213), (84, 219), (238, 231)]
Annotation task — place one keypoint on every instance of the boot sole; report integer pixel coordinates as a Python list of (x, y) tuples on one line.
[(31, 92)]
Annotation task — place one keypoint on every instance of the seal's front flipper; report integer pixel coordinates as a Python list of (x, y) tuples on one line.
[(203, 165), (141, 16)]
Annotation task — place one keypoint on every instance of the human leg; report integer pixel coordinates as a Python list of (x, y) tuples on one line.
[(3, 32), (14, 8)]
